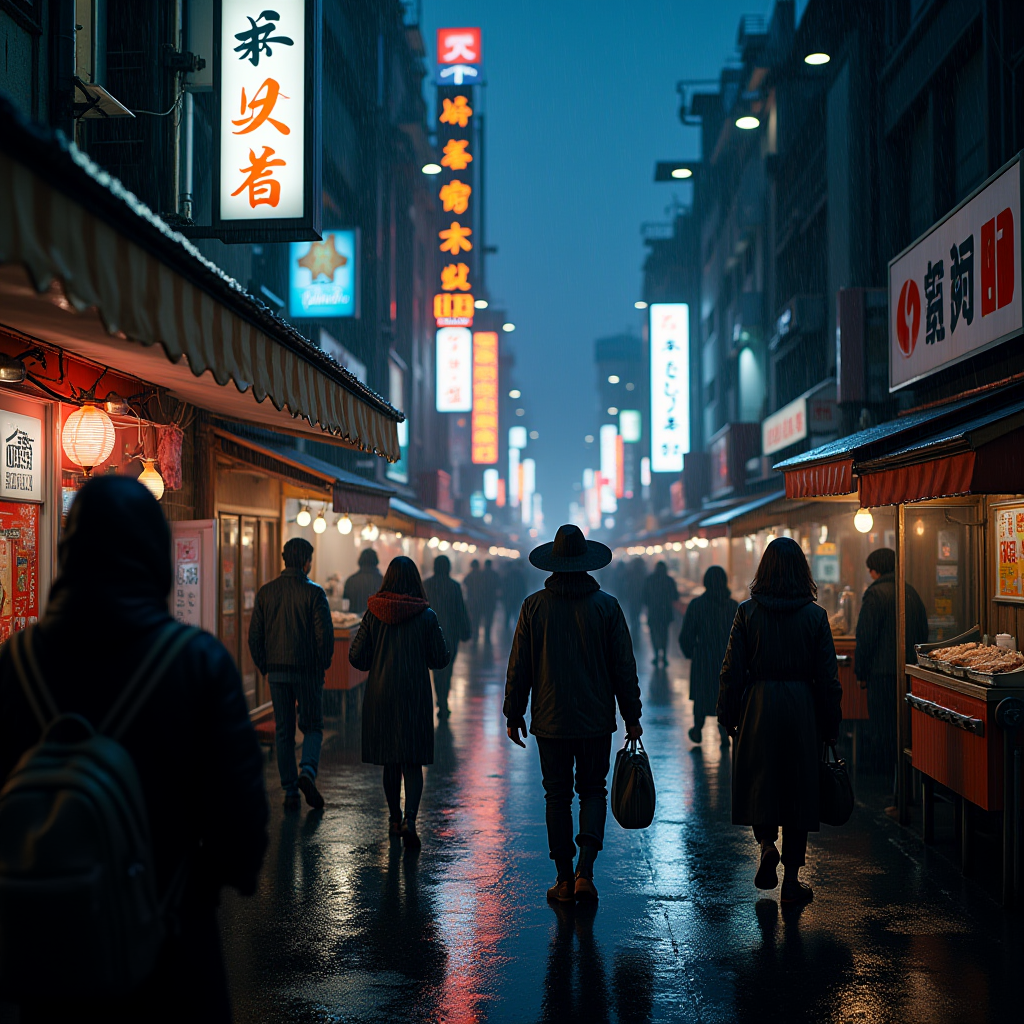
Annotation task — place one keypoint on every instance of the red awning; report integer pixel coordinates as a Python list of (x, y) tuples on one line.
[(826, 478), (937, 478)]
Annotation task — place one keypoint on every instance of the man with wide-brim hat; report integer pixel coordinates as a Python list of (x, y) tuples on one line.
[(572, 660)]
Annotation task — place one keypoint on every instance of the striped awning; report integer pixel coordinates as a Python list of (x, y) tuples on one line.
[(86, 267)]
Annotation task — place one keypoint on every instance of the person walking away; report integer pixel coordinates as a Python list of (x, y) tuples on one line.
[(291, 640), (363, 583), (513, 593), (659, 597), (473, 586), (781, 699), (490, 588), (192, 733), (398, 642), (445, 597), (703, 639), (634, 576), (875, 657), (572, 661)]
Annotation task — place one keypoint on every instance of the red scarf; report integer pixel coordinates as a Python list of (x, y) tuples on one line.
[(396, 608)]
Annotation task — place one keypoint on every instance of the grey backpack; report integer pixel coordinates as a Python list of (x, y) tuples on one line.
[(80, 914)]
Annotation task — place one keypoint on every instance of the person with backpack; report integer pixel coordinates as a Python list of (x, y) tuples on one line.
[(109, 881), (445, 597)]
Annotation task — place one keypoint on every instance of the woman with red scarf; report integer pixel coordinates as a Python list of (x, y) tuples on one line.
[(398, 643)]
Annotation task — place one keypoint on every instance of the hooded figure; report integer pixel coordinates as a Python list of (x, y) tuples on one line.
[(106, 608), (445, 597), (660, 595), (362, 584), (704, 638)]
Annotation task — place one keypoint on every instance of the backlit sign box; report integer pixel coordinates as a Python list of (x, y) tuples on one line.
[(454, 355), (484, 428), (267, 150), (785, 427), (459, 56), (957, 290), (670, 385), (323, 276), (21, 457)]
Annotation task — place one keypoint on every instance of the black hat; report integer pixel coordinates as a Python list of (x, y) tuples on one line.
[(570, 551)]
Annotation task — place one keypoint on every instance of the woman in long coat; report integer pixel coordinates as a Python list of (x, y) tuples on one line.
[(704, 638), (780, 696), (398, 642), (660, 594)]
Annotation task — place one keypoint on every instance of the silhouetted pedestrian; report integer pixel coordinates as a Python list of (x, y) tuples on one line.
[(472, 584), (445, 597), (704, 638), (361, 585), (191, 742), (659, 597), (633, 593), (780, 696), (513, 592), (571, 660), (291, 640), (398, 642), (490, 588)]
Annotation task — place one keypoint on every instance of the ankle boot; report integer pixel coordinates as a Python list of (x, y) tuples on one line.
[(585, 864)]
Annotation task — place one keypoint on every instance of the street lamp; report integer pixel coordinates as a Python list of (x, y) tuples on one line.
[(748, 122), (432, 168), (640, 305), (817, 58), (508, 328), (480, 304), (682, 172)]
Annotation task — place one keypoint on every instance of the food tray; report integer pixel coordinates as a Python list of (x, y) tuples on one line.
[(1015, 678), (925, 662), (955, 671)]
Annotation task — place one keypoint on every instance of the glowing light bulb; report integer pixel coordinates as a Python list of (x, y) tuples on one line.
[(344, 526), (682, 172), (303, 518), (748, 122), (319, 524), (863, 521), (88, 437), (151, 479), (817, 58)]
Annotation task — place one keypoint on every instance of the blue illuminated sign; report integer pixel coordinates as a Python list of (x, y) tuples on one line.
[(323, 277)]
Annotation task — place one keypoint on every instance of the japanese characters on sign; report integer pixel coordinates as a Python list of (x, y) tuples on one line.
[(19, 567), (670, 385), (484, 429), (262, 130), (459, 56), (454, 384), (1010, 552), (21, 458), (785, 427), (957, 290), (323, 276)]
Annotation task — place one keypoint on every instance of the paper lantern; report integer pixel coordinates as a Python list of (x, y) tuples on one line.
[(151, 479), (88, 437)]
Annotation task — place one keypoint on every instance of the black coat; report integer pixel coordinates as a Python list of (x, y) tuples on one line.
[(703, 639), (660, 594), (398, 706), (573, 654), (780, 690), (876, 629), (193, 745), (291, 630), (360, 587), (445, 597)]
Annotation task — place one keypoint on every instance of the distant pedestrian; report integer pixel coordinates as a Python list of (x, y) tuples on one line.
[(780, 696), (704, 639), (659, 597), (291, 640), (571, 661), (513, 593), (445, 597), (490, 589), (398, 642), (362, 584), (473, 587), (875, 659), (191, 743), (633, 593)]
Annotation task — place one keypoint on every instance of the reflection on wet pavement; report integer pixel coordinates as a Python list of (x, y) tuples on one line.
[(349, 927)]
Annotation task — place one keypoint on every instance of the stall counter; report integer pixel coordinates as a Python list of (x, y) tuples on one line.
[(341, 675), (855, 700)]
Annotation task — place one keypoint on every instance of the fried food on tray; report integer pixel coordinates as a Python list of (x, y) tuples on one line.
[(990, 660), (951, 653)]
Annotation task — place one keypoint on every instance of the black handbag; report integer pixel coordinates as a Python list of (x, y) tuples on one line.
[(835, 791), (633, 797)]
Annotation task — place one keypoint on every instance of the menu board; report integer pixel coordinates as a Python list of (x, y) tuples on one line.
[(19, 567), (1010, 552)]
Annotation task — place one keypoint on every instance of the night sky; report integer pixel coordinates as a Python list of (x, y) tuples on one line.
[(581, 102)]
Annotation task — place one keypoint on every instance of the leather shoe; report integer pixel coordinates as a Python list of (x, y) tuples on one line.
[(767, 876), (409, 836), (563, 891), (310, 792), (695, 735), (292, 801), (796, 892), (586, 891)]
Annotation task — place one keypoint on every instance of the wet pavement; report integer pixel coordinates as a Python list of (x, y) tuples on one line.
[(347, 927)]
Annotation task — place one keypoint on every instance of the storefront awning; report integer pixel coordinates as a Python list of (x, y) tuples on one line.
[(346, 491), (411, 520), (724, 519), (86, 267)]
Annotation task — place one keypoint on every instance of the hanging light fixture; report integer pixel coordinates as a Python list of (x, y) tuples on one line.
[(303, 518), (116, 405), (151, 479), (88, 437), (863, 521), (344, 526), (319, 524), (371, 532)]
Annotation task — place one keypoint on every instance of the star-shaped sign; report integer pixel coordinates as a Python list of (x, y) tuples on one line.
[(323, 258)]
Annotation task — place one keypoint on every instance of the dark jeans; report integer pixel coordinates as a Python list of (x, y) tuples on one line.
[(557, 758), (310, 697), (794, 843)]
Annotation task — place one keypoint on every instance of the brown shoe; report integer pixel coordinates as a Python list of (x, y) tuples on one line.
[(796, 892), (767, 876), (586, 892), (562, 891)]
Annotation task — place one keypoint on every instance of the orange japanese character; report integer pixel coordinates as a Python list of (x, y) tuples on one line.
[(455, 278), (263, 188), (455, 239), (458, 112), (261, 108), (455, 196), (455, 156)]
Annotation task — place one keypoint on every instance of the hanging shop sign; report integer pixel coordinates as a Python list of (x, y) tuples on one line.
[(957, 290), (454, 353), (398, 471), (19, 567), (1009, 552), (459, 56), (21, 459), (267, 151), (484, 442), (324, 276), (609, 468), (630, 425), (785, 427), (670, 385)]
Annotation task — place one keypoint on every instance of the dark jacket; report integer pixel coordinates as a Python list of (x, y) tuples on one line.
[(659, 595), (360, 587), (398, 642), (445, 597), (110, 599), (573, 653), (876, 629), (291, 633), (703, 639), (780, 690)]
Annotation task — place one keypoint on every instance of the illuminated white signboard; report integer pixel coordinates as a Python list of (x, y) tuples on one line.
[(454, 354), (517, 437), (609, 470), (491, 484), (670, 385), (630, 425)]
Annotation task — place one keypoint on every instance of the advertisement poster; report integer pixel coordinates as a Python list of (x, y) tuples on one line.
[(188, 594), (1010, 553), (323, 277), (19, 567)]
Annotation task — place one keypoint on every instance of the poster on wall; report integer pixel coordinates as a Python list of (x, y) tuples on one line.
[(21, 457), (1009, 549), (19, 567)]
